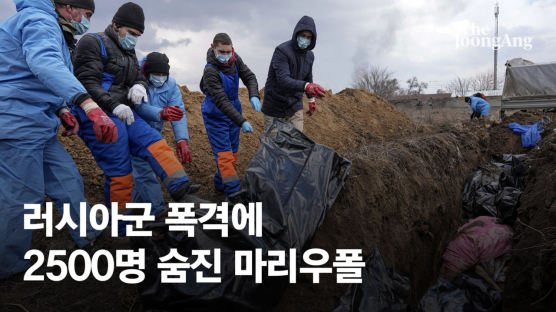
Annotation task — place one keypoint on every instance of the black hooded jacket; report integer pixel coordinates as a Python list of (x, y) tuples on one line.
[(290, 69), (89, 67), (211, 84)]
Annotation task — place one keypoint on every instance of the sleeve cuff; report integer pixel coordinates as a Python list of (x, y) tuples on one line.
[(79, 98)]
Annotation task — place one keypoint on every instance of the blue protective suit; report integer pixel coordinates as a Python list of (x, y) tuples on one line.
[(480, 106), (147, 188), (530, 134), (36, 80), (223, 136)]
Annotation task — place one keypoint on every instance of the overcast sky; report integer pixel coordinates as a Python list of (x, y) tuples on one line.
[(432, 39)]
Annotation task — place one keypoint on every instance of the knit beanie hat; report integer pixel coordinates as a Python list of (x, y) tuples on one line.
[(84, 4), (157, 63), (130, 15)]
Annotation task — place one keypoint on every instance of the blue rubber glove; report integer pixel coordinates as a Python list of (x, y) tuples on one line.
[(246, 127), (256, 103)]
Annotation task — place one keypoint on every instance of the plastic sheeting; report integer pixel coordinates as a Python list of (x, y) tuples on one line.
[(536, 81), (495, 189), (382, 290), (530, 134), (297, 182), (469, 292)]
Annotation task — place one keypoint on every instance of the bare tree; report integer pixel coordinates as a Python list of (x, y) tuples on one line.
[(416, 87), (376, 79), (483, 81), (459, 86)]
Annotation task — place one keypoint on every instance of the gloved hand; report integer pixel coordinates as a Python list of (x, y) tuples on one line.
[(246, 127), (69, 122), (184, 153), (315, 90), (312, 108), (171, 113), (256, 103), (124, 113), (137, 94), (105, 129)]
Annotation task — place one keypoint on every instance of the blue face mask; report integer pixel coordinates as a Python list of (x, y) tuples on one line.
[(128, 42), (223, 58), (158, 81), (303, 43), (81, 27)]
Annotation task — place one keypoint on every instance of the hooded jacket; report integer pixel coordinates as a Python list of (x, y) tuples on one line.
[(36, 78), (159, 98), (479, 105), (290, 69), (211, 84), (121, 68)]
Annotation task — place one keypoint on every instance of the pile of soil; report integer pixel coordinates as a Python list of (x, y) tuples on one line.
[(505, 141), (342, 121), (531, 284)]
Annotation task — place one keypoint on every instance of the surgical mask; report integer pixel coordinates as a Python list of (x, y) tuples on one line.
[(158, 81), (81, 27), (128, 42), (223, 58), (303, 43)]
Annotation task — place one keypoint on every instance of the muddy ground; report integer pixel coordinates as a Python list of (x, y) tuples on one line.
[(403, 195)]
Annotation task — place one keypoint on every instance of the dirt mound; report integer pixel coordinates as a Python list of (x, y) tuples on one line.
[(531, 282), (343, 122), (499, 138)]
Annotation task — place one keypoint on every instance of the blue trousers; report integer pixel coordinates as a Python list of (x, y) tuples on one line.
[(223, 136), (28, 172), (138, 139), (147, 189)]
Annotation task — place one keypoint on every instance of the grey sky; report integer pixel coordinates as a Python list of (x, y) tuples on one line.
[(411, 38)]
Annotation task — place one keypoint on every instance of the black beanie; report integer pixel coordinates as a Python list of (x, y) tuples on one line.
[(84, 4), (130, 15), (157, 63)]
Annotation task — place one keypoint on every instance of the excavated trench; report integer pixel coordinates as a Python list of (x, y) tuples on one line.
[(403, 197)]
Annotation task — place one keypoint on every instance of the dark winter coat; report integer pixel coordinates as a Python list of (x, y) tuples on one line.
[(211, 84), (290, 70), (93, 71)]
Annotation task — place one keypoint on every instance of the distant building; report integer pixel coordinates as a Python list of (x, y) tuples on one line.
[(421, 97)]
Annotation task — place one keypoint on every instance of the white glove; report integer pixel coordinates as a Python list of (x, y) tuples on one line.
[(137, 94), (124, 113)]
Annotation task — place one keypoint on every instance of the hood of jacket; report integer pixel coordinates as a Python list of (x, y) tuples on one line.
[(305, 23), (45, 5)]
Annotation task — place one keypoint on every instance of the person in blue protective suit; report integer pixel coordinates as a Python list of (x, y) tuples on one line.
[(222, 112), (107, 66), (36, 83), (290, 75), (165, 104), (479, 106)]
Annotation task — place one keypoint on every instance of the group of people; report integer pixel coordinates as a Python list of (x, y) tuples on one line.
[(98, 89)]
